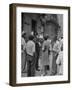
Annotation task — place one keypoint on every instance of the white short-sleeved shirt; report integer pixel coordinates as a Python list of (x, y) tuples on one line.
[(56, 47), (30, 47)]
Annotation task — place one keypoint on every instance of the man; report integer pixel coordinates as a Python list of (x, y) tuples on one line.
[(61, 42), (55, 51), (30, 50), (23, 54), (37, 49)]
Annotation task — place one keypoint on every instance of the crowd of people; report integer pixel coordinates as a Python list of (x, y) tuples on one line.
[(42, 54)]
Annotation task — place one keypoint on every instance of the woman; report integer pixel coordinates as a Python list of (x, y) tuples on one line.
[(55, 51), (45, 56)]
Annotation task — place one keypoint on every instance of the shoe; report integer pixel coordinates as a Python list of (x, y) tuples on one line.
[(43, 74), (52, 74), (24, 71), (38, 69)]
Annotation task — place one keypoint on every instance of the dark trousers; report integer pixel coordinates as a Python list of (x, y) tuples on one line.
[(37, 61), (30, 66)]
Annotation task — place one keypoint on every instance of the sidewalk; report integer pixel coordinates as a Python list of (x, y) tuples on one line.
[(38, 73)]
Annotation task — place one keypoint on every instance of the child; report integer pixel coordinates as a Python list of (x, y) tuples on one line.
[(59, 62)]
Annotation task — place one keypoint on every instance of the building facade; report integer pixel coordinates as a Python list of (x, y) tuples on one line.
[(42, 24)]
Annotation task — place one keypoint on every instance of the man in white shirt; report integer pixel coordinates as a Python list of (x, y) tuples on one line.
[(30, 50), (23, 44), (23, 54)]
